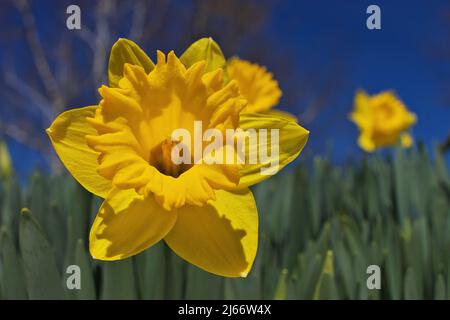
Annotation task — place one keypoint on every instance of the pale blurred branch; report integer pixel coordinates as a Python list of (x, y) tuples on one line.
[(138, 19), (18, 133), (102, 13), (38, 53), (21, 87)]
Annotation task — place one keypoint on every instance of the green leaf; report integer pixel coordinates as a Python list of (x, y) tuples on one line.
[(175, 275), (439, 288), (326, 286), (39, 199), (57, 231), (393, 262), (401, 185), (79, 206), (119, 280), (70, 243), (41, 271), (12, 277), (152, 268), (203, 285), (345, 270), (10, 208), (309, 275), (126, 51), (82, 259), (205, 49), (411, 289), (282, 287)]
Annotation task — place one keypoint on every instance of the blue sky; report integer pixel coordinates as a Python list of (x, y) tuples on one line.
[(401, 56)]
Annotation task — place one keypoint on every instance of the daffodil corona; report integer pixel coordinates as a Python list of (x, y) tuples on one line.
[(383, 120), (122, 150)]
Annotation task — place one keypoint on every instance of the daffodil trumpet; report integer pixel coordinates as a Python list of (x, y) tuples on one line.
[(122, 150)]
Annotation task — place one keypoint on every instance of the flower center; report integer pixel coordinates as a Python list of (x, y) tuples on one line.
[(164, 162), (386, 112)]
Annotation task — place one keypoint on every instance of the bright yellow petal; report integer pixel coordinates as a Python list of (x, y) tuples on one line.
[(126, 224), (361, 120), (283, 114), (67, 134), (292, 139), (361, 114), (406, 140), (362, 101), (126, 51), (222, 237)]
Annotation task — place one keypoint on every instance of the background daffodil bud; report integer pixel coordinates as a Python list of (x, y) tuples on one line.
[(5, 161)]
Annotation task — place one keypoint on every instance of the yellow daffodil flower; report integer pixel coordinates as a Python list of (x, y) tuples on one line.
[(258, 86), (383, 120), (121, 151)]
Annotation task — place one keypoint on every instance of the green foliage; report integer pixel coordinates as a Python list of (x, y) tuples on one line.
[(321, 227)]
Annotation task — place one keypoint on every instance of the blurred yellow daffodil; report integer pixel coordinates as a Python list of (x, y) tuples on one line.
[(382, 119), (258, 86), (121, 150)]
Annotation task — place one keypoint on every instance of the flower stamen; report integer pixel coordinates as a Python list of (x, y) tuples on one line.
[(165, 164)]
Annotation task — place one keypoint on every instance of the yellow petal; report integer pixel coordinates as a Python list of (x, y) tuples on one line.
[(366, 142), (361, 114), (205, 49), (362, 100), (282, 114), (126, 224), (292, 139), (67, 134), (126, 51), (222, 237)]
